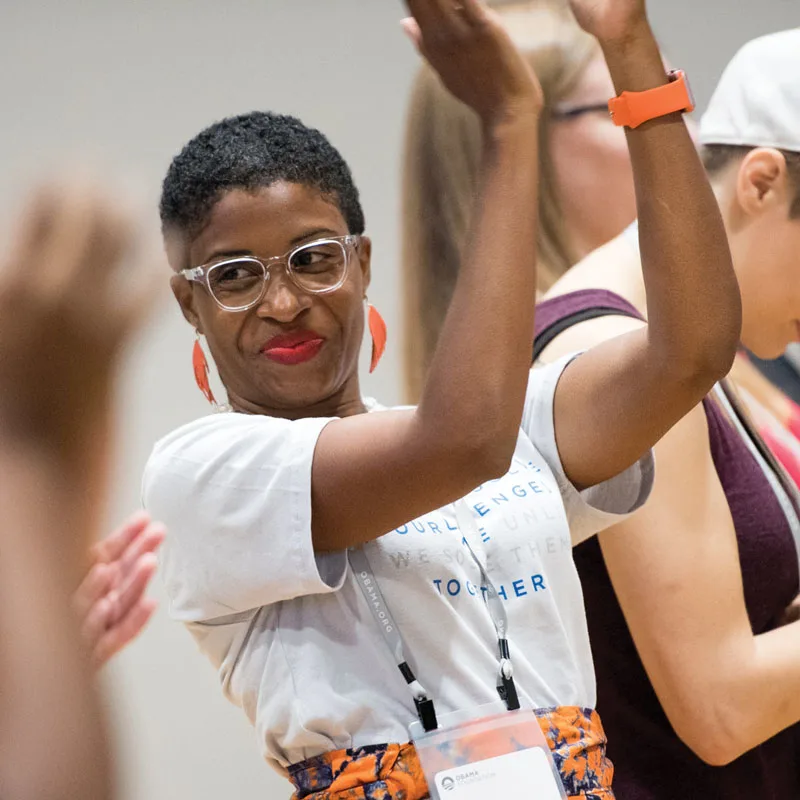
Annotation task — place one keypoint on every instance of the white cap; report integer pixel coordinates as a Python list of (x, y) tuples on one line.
[(757, 101)]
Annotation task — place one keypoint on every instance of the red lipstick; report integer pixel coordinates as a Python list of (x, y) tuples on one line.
[(293, 348)]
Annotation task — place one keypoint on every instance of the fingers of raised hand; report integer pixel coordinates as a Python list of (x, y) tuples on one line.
[(141, 293), (134, 584), (608, 19), (473, 11), (99, 618), (113, 281), (31, 230), (90, 237), (430, 14), (132, 611), (474, 56), (438, 22), (114, 545), (99, 581), (71, 237), (411, 28), (76, 243), (146, 542), (124, 632), (113, 613)]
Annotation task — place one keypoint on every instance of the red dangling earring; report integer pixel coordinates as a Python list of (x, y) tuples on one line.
[(377, 329), (201, 370)]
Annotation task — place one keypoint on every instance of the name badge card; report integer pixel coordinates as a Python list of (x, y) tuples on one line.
[(497, 753)]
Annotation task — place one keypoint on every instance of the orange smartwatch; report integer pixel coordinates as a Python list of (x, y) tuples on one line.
[(632, 109)]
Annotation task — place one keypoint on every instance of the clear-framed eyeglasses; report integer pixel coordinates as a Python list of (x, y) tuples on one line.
[(240, 282)]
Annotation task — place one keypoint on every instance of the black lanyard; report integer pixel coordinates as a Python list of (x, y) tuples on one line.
[(391, 633)]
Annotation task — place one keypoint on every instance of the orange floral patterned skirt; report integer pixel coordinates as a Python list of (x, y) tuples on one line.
[(393, 771)]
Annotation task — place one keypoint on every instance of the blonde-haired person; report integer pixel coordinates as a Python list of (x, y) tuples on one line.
[(579, 209)]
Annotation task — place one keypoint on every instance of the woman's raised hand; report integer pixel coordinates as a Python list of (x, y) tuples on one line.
[(610, 21), (70, 296), (474, 56)]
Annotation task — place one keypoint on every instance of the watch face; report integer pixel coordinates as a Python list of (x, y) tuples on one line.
[(690, 94), (680, 75)]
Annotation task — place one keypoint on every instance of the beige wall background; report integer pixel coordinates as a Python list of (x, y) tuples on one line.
[(124, 85)]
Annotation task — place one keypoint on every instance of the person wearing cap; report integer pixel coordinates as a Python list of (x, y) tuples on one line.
[(741, 116), (697, 659)]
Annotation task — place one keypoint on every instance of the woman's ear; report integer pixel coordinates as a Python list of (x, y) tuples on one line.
[(761, 182), (176, 247), (182, 289), (365, 260)]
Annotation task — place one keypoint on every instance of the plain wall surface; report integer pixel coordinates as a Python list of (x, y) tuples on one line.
[(126, 85)]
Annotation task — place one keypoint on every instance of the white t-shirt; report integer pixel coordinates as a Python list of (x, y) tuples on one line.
[(292, 637)]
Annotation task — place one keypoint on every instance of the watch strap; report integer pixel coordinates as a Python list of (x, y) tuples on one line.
[(632, 109)]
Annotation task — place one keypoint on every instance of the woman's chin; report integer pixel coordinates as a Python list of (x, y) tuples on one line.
[(297, 393), (770, 350)]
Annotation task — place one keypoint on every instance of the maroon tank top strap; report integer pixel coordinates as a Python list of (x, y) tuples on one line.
[(555, 315)]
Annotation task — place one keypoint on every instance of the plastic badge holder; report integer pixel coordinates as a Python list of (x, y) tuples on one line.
[(488, 752)]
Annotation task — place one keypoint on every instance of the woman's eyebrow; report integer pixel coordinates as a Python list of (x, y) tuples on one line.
[(303, 237), (218, 254), (314, 233)]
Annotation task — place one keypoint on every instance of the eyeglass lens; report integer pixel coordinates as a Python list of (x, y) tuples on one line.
[(315, 267)]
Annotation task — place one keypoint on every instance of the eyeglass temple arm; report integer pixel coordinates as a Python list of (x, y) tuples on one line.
[(193, 273), (579, 111)]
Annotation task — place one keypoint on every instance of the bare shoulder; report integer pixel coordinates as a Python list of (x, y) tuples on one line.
[(614, 267), (586, 335)]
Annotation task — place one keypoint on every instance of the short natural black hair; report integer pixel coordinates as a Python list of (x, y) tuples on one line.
[(252, 151), (717, 157)]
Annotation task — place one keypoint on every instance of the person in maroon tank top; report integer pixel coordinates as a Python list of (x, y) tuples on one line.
[(698, 671)]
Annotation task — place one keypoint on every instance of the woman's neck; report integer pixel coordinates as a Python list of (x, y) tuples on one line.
[(344, 402)]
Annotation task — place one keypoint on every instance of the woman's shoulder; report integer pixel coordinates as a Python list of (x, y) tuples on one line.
[(228, 433), (225, 434), (614, 267)]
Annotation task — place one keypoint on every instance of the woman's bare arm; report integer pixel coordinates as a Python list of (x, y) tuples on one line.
[(620, 398), (63, 321), (677, 576), (676, 573), (371, 473)]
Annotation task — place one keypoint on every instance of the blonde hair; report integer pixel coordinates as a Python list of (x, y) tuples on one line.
[(442, 157)]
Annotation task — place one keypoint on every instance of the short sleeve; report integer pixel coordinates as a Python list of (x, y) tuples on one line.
[(234, 492), (591, 510)]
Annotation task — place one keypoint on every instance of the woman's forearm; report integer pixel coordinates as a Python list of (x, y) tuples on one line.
[(485, 344), (52, 733), (758, 693), (693, 305)]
